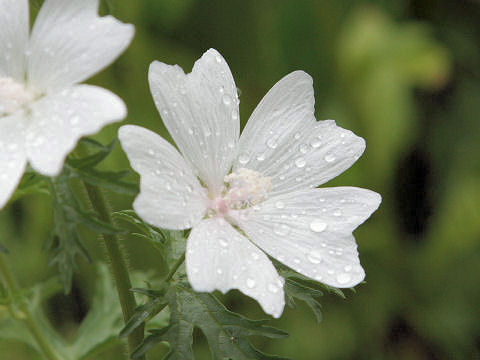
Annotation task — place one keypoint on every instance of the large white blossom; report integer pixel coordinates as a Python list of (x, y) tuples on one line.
[(251, 195), (43, 109)]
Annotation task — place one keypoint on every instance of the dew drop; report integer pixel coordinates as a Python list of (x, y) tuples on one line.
[(303, 148), (272, 143), (272, 288), (243, 159), (223, 242), (255, 256), (280, 205), (226, 99), (347, 268), (329, 158), (315, 143), (297, 136), (219, 271), (235, 115), (317, 226), (337, 212), (343, 278), (281, 229), (261, 157), (251, 283), (314, 257), (300, 162)]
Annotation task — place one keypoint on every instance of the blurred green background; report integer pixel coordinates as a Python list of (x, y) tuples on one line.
[(404, 75)]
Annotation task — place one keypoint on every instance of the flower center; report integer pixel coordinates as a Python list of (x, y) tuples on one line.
[(13, 96), (243, 188)]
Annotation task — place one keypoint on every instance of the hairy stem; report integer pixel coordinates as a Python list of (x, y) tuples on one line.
[(174, 268), (118, 264), (24, 313)]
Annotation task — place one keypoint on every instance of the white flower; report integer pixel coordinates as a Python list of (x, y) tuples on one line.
[(245, 197), (43, 110)]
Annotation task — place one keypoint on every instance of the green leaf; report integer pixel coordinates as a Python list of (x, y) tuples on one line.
[(226, 332), (100, 327), (94, 159), (98, 330), (110, 180), (30, 184), (170, 243), (142, 314), (299, 287)]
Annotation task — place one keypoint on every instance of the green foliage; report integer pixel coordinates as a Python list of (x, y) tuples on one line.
[(304, 289), (226, 332), (84, 168), (97, 331), (169, 243)]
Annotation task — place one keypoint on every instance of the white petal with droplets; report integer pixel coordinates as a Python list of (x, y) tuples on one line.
[(14, 27), (170, 195), (12, 155), (70, 43), (220, 258), (58, 121), (282, 139), (200, 110), (311, 231)]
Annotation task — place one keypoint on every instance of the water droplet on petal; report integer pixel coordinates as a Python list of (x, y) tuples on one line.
[(343, 278), (219, 271), (297, 136), (251, 283), (337, 212), (272, 143), (280, 205), (329, 158), (243, 159), (255, 256), (317, 226), (226, 99), (281, 229), (347, 268), (315, 143), (272, 288), (314, 257), (300, 162), (303, 148), (223, 242)]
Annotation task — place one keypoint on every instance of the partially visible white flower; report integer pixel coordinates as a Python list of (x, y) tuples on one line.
[(245, 197), (43, 110)]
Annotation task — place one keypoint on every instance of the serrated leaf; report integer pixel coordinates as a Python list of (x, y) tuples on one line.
[(30, 184), (64, 243), (93, 159), (170, 243), (301, 288), (110, 180), (142, 314), (102, 323), (226, 332)]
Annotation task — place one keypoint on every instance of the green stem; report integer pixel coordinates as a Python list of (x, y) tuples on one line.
[(118, 264), (25, 314), (174, 268)]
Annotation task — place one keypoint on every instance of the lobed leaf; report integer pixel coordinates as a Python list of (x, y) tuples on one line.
[(226, 332)]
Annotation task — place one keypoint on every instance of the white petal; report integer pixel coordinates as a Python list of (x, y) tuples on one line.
[(310, 231), (14, 28), (282, 140), (220, 258), (200, 110), (58, 121), (12, 155), (170, 195), (70, 43)]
